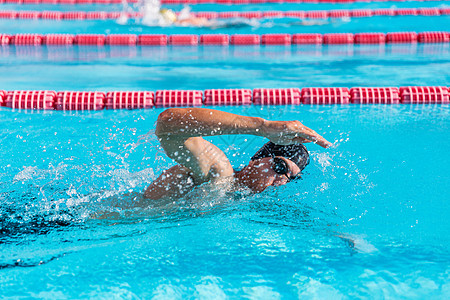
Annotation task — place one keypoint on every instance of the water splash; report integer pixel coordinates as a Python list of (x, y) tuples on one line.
[(149, 13)]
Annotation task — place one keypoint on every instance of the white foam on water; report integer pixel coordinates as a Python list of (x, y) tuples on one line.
[(309, 288), (209, 288), (168, 291), (261, 292), (151, 16), (26, 174)]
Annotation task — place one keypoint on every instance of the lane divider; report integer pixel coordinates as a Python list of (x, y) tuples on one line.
[(68, 100), (323, 14), (193, 2), (59, 15), (223, 39)]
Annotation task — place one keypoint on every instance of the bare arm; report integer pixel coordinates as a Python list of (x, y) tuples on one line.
[(182, 123), (190, 122), (174, 182), (180, 132)]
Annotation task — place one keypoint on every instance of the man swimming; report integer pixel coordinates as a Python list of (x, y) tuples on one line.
[(180, 132), (185, 18)]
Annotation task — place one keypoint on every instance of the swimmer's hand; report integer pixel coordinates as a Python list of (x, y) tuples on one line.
[(292, 132)]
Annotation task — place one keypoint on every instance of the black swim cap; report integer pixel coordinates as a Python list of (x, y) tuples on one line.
[(295, 152)]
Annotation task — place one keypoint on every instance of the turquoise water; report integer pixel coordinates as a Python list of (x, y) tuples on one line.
[(369, 219), (156, 68), (283, 25)]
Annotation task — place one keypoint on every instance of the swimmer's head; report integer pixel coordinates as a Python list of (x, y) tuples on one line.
[(168, 15), (297, 153), (273, 165)]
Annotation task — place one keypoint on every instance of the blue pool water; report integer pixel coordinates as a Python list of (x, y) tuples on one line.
[(156, 68), (369, 219)]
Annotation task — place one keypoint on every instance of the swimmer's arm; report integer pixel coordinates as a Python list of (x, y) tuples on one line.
[(172, 183), (180, 132), (195, 22), (191, 122), (183, 123)]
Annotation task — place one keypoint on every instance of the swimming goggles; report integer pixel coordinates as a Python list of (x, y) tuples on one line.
[(281, 167)]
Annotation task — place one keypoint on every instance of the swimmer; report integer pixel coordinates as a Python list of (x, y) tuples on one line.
[(181, 130), (168, 17), (184, 19)]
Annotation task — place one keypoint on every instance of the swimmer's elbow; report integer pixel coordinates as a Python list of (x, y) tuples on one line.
[(172, 183), (164, 119), (152, 195), (157, 191)]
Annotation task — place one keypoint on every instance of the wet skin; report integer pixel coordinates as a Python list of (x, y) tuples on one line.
[(259, 174)]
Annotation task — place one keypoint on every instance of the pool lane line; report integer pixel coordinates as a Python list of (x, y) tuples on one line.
[(82, 100), (224, 39), (194, 2), (61, 53), (317, 14)]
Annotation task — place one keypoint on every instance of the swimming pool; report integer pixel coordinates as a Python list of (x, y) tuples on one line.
[(368, 219)]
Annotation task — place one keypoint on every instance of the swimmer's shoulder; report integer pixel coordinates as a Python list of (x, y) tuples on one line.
[(221, 166)]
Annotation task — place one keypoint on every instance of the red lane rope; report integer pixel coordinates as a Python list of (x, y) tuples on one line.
[(320, 14), (68, 100), (223, 39), (193, 2)]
